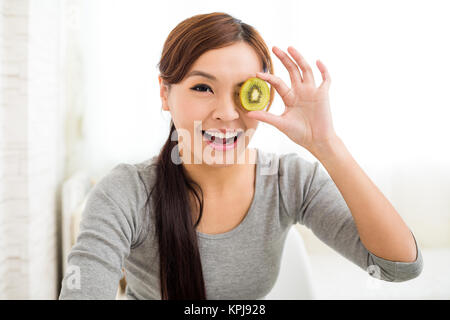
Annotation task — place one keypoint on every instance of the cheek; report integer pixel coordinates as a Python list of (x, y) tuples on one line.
[(190, 113), (250, 123)]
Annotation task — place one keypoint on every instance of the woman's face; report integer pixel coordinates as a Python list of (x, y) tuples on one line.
[(211, 102)]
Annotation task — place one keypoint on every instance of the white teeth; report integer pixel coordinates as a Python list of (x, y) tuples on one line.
[(221, 135)]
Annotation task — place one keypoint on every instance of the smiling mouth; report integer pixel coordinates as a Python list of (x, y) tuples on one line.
[(217, 140)]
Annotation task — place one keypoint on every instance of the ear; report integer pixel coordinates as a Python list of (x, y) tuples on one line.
[(164, 93)]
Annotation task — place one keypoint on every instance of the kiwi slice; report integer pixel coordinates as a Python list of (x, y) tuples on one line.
[(254, 94)]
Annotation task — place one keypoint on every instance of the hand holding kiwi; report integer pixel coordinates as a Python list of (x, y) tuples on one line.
[(306, 119)]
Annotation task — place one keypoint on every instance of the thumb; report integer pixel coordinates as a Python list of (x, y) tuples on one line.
[(267, 117)]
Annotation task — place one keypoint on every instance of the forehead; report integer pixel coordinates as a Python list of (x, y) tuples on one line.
[(238, 59)]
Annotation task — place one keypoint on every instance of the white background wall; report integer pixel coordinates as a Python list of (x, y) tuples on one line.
[(31, 148)]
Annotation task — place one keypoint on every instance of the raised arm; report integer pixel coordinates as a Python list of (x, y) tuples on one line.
[(316, 202), (354, 215)]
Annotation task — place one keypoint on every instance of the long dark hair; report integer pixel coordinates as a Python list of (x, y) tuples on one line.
[(181, 275)]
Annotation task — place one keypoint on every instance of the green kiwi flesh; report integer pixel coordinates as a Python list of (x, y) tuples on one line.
[(254, 94)]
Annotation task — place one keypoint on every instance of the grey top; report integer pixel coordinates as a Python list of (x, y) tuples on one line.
[(116, 232)]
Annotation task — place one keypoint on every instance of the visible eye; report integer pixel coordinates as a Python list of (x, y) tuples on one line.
[(201, 87)]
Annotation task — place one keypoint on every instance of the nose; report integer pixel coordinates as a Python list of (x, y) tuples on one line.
[(226, 109)]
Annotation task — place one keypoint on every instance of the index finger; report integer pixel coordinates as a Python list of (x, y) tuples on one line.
[(283, 90)]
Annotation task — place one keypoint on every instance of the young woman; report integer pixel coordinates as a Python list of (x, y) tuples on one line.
[(185, 227)]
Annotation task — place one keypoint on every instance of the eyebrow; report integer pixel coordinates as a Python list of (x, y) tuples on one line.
[(206, 75)]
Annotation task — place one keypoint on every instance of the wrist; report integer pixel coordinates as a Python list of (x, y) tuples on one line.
[(328, 148)]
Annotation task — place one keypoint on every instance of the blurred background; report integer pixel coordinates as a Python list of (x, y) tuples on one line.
[(78, 83)]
